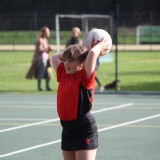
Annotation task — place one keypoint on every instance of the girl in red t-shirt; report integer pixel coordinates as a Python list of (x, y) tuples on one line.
[(75, 70)]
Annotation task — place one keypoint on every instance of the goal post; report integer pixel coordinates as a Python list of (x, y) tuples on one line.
[(85, 23), (148, 34)]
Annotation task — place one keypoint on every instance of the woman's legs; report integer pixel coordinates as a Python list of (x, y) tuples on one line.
[(47, 84), (98, 82), (41, 72), (100, 87)]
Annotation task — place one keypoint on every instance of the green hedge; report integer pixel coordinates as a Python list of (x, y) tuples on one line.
[(125, 36)]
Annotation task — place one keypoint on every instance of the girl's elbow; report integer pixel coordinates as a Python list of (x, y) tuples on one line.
[(54, 59)]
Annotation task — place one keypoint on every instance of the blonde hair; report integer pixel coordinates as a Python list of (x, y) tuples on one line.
[(77, 30), (43, 31)]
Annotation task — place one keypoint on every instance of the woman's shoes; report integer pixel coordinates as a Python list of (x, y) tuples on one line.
[(40, 89), (48, 89)]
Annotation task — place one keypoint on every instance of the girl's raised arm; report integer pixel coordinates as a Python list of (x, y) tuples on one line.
[(56, 60), (92, 56)]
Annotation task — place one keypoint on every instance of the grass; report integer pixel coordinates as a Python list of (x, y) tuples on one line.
[(125, 36), (13, 68), (138, 71)]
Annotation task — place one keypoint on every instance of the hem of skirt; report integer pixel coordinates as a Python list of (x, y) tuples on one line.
[(79, 149)]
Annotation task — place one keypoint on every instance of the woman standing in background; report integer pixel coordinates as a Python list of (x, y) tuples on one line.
[(41, 65), (75, 37)]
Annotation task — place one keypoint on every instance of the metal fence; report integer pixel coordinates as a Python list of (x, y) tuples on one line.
[(22, 29)]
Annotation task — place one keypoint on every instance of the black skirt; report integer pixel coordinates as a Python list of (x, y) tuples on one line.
[(79, 134)]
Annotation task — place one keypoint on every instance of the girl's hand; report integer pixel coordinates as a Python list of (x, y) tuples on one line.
[(104, 49)]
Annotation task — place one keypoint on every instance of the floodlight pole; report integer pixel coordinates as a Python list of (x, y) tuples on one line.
[(57, 34), (116, 43)]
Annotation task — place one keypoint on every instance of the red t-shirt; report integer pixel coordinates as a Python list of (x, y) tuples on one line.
[(75, 93)]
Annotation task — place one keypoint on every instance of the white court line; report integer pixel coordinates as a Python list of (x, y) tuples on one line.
[(57, 119), (30, 148), (28, 125), (130, 122), (148, 104), (112, 108), (24, 119), (100, 130), (26, 103)]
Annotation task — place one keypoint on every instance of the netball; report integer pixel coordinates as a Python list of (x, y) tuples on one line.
[(95, 36)]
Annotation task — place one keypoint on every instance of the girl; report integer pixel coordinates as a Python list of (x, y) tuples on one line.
[(75, 70)]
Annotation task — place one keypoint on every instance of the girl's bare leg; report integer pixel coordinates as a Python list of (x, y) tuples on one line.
[(86, 154), (69, 155)]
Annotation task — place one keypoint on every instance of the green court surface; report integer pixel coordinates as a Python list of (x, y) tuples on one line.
[(129, 127)]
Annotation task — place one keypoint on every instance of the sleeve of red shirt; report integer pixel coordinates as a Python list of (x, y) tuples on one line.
[(60, 69), (88, 82)]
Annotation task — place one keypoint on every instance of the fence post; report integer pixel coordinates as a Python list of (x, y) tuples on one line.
[(35, 21)]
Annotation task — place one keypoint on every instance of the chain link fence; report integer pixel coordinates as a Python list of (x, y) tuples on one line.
[(23, 28)]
